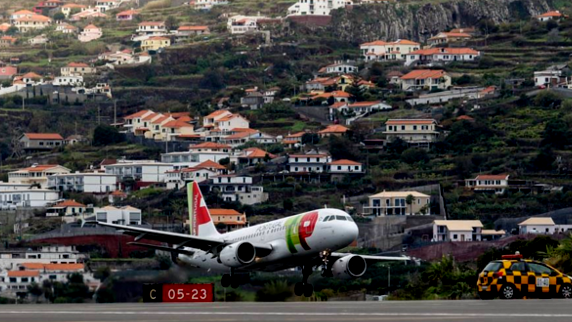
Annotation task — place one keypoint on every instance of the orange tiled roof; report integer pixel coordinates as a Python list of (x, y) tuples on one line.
[(209, 164), (23, 12), (43, 136), (177, 124), (424, 74), (397, 42), (296, 135), (334, 129), (210, 145), (493, 177), (216, 113), (193, 28), (23, 273), (160, 119), (150, 116), (53, 267), (224, 212), (136, 115), (128, 13), (465, 118), (32, 75), (344, 162), (152, 23), (410, 122), (555, 13), (158, 38), (361, 104), (69, 203), (78, 65), (452, 35), (34, 18), (256, 153)]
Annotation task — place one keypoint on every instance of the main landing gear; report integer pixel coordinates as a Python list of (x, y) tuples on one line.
[(230, 280), (304, 288)]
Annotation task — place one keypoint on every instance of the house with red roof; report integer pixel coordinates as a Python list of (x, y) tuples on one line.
[(449, 37), (90, 33), (388, 51), (7, 41), (37, 174), (345, 166), (550, 15), (28, 23), (68, 8), (127, 15), (496, 183), (227, 219), (430, 56), (66, 208), (89, 13), (7, 72), (291, 140), (425, 79), (188, 31), (77, 69), (253, 156), (336, 130), (41, 141), (416, 132)]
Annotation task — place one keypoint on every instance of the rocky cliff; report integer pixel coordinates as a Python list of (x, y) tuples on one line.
[(411, 20)]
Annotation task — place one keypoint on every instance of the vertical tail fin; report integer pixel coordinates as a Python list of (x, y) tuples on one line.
[(201, 223)]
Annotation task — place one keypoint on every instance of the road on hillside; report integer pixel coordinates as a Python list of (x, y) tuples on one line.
[(518, 310)]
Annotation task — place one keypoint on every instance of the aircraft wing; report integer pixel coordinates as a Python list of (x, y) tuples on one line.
[(371, 259), (180, 240)]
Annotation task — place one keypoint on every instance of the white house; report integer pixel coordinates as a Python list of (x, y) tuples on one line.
[(66, 208), (308, 163), (496, 183), (77, 69), (209, 120), (430, 56), (549, 77), (242, 24), (106, 5), (144, 172), (238, 188), (56, 254), (339, 67), (417, 132), (384, 51), (457, 230), (123, 216), (207, 4), (317, 7), (68, 81), (90, 33), (194, 157), (152, 28), (550, 15), (394, 203), (27, 198), (345, 166), (36, 174), (96, 183), (449, 37), (425, 79)]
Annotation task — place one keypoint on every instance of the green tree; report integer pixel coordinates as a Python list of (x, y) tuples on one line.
[(59, 16), (288, 204), (409, 200), (171, 23), (548, 100), (35, 290), (275, 291), (415, 155), (310, 138), (106, 135), (555, 134)]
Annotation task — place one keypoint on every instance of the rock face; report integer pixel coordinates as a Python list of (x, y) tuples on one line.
[(394, 20)]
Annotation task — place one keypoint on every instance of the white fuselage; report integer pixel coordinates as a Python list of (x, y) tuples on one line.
[(292, 240)]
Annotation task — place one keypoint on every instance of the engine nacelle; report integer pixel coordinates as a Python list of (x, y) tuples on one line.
[(237, 254), (351, 266)]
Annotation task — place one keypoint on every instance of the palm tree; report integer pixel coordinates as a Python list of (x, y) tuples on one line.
[(409, 200)]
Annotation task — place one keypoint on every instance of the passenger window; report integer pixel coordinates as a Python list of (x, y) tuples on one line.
[(518, 267), (539, 269)]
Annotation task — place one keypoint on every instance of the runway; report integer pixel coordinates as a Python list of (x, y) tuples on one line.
[(520, 310)]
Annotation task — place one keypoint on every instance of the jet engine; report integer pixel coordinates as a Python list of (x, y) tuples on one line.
[(351, 266), (238, 254)]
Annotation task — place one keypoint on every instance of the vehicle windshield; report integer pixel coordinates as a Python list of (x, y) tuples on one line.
[(493, 267)]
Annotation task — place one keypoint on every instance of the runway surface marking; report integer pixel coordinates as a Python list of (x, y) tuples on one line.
[(380, 314)]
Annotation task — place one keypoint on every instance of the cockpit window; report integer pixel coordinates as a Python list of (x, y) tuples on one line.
[(341, 218), (350, 219), (332, 218), (326, 218)]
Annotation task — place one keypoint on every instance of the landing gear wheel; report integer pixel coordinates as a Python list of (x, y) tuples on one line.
[(308, 290), (225, 280), (234, 283), (566, 291), (299, 289), (508, 292)]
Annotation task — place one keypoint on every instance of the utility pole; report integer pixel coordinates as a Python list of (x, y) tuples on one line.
[(115, 112)]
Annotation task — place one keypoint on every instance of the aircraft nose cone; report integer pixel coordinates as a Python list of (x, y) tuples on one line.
[(354, 231)]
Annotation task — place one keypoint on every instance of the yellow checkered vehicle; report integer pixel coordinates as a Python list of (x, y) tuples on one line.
[(514, 277)]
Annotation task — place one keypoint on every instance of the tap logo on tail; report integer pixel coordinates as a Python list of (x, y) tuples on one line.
[(298, 229)]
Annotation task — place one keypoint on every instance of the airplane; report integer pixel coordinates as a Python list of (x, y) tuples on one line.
[(306, 240)]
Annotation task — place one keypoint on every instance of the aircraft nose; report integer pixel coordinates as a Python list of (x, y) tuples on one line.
[(353, 231)]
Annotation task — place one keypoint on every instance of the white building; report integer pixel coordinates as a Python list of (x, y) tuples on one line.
[(106, 5), (345, 166), (457, 230), (497, 183), (96, 183), (308, 163), (123, 216), (238, 189), (339, 67), (152, 28), (431, 56), (242, 24), (394, 203), (9, 259), (417, 132), (207, 4), (550, 77), (27, 198), (550, 15), (68, 81), (316, 7), (145, 172), (425, 79), (383, 51), (36, 174), (90, 33)]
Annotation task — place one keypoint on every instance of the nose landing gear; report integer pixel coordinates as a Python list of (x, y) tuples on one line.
[(231, 280), (304, 288)]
